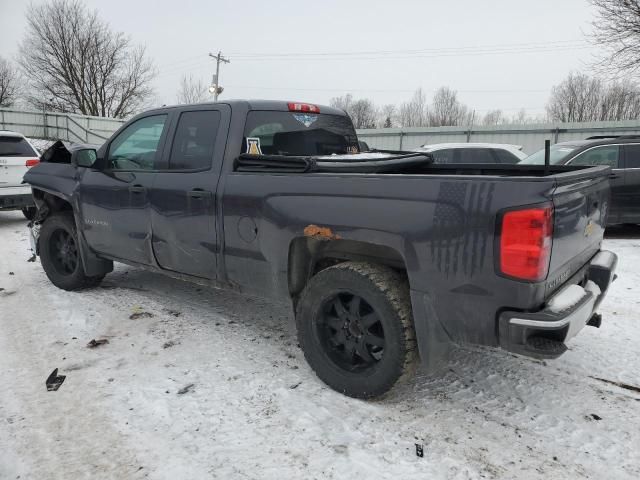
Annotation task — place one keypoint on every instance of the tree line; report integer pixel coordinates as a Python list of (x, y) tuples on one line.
[(70, 60)]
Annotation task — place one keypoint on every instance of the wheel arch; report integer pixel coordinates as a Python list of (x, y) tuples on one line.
[(308, 256)]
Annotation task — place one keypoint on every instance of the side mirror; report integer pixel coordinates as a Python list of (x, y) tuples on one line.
[(84, 157)]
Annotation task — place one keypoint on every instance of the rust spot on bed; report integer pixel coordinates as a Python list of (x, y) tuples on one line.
[(321, 233)]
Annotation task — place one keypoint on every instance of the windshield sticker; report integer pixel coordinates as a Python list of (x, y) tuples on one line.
[(253, 146), (305, 119)]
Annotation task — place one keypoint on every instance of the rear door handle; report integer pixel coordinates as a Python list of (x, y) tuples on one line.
[(199, 193), (137, 189), (614, 176)]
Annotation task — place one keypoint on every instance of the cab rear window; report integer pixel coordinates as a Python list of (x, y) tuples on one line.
[(15, 147), (294, 133)]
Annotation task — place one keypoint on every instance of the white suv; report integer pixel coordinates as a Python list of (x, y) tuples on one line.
[(17, 155)]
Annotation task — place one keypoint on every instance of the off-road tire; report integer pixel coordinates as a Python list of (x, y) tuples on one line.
[(387, 293), (75, 278)]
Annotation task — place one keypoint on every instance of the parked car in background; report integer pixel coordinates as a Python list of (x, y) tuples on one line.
[(621, 153), (474, 153), (17, 155)]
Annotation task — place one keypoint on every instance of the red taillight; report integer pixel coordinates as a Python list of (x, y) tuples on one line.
[(525, 243), (303, 107), (32, 162)]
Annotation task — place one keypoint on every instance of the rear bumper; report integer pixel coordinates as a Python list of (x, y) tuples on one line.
[(543, 334), (15, 201)]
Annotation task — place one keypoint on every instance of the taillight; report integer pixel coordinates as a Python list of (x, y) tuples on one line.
[(525, 243), (32, 162), (303, 107)]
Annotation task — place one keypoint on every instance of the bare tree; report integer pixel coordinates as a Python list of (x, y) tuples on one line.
[(617, 28), (580, 98), (343, 103), (414, 112), (575, 99), (9, 83), (76, 63), (192, 91), (493, 117), (446, 109), (386, 116), (362, 111)]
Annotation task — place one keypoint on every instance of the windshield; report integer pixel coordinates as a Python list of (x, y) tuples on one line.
[(293, 133), (15, 147), (558, 153)]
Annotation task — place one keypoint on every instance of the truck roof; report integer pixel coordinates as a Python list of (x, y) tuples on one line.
[(257, 104)]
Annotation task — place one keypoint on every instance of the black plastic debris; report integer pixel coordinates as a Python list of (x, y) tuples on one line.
[(32, 258), (419, 450), (186, 389), (54, 381), (596, 417), (295, 385), (96, 343), (11, 273), (137, 315)]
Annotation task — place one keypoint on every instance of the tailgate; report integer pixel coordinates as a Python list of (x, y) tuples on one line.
[(15, 151), (581, 201)]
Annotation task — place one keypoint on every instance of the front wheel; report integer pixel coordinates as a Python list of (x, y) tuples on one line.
[(355, 327), (60, 253)]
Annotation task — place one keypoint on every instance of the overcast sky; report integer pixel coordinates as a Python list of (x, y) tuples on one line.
[(498, 54)]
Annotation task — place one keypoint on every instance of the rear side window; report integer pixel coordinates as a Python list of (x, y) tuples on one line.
[(505, 156), (15, 147), (294, 133), (632, 156), (194, 140), (476, 155), (604, 155)]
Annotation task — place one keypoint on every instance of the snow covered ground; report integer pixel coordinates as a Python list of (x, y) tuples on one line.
[(254, 409)]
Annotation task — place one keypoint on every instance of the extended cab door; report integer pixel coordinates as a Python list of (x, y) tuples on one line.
[(630, 198), (183, 196), (114, 198), (607, 155)]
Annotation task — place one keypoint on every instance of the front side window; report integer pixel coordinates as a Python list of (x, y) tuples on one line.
[(605, 155), (194, 140), (295, 133), (136, 147)]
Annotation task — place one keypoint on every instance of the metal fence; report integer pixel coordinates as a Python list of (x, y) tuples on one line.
[(64, 126), (530, 137)]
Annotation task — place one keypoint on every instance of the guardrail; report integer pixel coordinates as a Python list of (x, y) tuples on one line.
[(55, 125)]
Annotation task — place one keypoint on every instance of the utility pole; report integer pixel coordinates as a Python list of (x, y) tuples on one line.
[(217, 89)]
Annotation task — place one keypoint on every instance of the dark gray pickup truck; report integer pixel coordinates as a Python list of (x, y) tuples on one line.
[(385, 257)]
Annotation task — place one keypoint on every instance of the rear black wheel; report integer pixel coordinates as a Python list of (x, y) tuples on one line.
[(355, 328), (60, 253), (29, 212)]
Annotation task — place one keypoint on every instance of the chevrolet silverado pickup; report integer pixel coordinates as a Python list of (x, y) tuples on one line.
[(386, 258)]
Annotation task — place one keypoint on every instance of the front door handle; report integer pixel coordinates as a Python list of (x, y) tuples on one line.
[(137, 189), (199, 193)]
